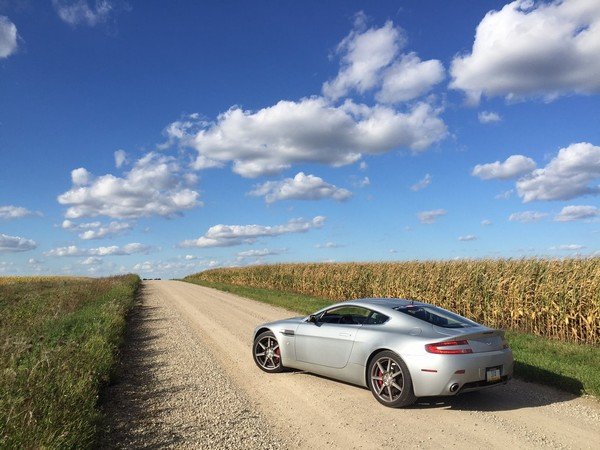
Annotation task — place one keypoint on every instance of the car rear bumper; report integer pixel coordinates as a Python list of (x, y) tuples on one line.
[(479, 385), (435, 375)]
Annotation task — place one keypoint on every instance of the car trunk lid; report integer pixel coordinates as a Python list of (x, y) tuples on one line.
[(480, 339)]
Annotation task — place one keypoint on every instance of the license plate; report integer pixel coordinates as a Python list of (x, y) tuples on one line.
[(493, 374)]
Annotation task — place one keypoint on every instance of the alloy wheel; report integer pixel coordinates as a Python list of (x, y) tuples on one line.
[(387, 379), (267, 354)]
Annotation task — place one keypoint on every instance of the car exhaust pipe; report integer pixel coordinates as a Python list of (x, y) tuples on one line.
[(454, 387)]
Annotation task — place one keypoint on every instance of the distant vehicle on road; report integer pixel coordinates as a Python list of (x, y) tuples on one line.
[(399, 349)]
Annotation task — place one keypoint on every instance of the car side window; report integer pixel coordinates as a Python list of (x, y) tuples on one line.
[(349, 315), (376, 319)]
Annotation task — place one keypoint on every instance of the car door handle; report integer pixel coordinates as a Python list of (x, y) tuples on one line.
[(346, 334)]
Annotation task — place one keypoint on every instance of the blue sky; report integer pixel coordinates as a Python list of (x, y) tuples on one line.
[(165, 138)]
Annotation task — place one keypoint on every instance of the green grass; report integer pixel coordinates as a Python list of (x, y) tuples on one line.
[(303, 304), (568, 366), (58, 344), (571, 367)]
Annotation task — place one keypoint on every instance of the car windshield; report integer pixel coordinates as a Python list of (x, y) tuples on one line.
[(436, 316)]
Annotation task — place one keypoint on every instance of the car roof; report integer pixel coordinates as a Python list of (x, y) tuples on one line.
[(386, 302)]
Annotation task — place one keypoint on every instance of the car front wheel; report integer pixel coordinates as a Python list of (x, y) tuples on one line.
[(390, 381), (266, 352)]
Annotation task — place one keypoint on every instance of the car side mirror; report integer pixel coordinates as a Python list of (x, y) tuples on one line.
[(312, 318)]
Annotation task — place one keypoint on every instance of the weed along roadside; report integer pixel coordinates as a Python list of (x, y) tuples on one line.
[(60, 338), (571, 366)]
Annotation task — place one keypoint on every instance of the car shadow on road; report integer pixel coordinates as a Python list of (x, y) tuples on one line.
[(127, 401), (516, 394)]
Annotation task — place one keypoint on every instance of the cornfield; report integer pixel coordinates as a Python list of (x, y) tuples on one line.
[(558, 299)]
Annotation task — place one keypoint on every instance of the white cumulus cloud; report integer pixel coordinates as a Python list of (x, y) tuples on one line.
[(8, 37), (488, 117), (14, 244), (10, 212), (255, 253), (231, 235), (361, 182), (169, 268), (514, 166), (422, 184), (113, 250), (409, 78), (82, 12), (6, 266), (92, 261), (364, 54), (301, 187), (328, 245), (120, 158), (467, 238), (113, 228), (80, 176), (527, 216), (372, 59), (319, 129), (505, 195), (70, 225), (311, 130), (577, 212), (431, 216), (530, 49), (572, 173), (156, 185), (96, 230), (568, 247)]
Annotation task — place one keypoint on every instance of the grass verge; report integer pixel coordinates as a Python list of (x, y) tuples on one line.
[(58, 344), (567, 366)]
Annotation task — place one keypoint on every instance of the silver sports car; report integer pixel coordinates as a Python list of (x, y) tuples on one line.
[(400, 349)]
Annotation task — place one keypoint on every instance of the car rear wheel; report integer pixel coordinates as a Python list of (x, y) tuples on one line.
[(266, 352), (390, 381)]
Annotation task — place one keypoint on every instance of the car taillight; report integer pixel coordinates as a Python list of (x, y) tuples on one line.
[(449, 348)]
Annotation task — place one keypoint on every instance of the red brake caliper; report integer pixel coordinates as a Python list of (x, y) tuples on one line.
[(380, 375)]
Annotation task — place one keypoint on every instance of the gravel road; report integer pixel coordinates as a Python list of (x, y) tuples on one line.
[(170, 390), (188, 380)]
